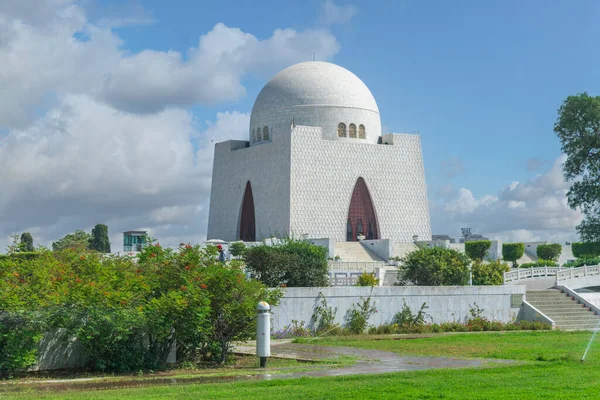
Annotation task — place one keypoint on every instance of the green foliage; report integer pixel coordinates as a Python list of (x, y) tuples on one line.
[(237, 249), (586, 249), (323, 317), (357, 317), (550, 251), (578, 128), (19, 256), (367, 279), (512, 251), (477, 249), (99, 240), (489, 273), (78, 240), (539, 263), (294, 263), (435, 267), (580, 262), (27, 242), (407, 318), (128, 313)]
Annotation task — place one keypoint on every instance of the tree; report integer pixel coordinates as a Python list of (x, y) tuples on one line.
[(512, 252), (77, 240), (99, 240), (477, 249), (549, 251), (237, 249), (294, 263), (578, 128), (489, 273), (27, 242), (435, 267)]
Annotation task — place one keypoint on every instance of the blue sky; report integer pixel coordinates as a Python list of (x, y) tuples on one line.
[(481, 81)]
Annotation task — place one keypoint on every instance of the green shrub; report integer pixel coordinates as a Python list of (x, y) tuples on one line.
[(489, 273), (24, 255), (20, 333), (237, 249), (512, 252), (294, 263), (477, 249), (539, 263), (435, 267), (580, 262), (586, 249), (323, 317), (367, 279), (549, 251), (406, 317), (357, 318)]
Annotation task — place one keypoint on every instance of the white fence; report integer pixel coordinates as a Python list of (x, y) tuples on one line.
[(561, 274), (368, 266)]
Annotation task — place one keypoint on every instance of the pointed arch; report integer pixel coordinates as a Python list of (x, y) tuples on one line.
[(362, 213), (247, 218)]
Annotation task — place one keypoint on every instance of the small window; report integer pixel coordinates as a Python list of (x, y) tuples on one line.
[(253, 135), (352, 131), (349, 233), (266, 133), (342, 129), (258, 135), (361, 132), (359, 227)]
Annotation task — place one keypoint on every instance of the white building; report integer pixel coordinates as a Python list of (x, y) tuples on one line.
[(317, 164)]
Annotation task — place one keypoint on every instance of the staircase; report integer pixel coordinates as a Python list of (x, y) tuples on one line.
[(565, 311), (354, 251)]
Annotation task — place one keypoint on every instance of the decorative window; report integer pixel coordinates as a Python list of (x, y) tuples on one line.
[(253, 135), (359, 227), (361, 132), (349, 233), (342, 129), (352, 131), (266, 133), (258, 135)]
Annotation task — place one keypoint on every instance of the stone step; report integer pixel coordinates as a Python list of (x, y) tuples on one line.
[(565, 319), (571, 313), (584, 327), (541, 307)]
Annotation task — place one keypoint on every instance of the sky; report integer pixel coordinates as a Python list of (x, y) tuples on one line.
[(109, 110)]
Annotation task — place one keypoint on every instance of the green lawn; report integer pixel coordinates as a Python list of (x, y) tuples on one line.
[(561, 376)]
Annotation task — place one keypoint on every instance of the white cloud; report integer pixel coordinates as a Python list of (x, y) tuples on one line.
[(331, 13), (532, 210), (42, 59)]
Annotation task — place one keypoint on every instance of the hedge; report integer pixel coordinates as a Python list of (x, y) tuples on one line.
[(512, 251), (539, 263), (25, 255), (477, 249), (549, 251), (586, 249)]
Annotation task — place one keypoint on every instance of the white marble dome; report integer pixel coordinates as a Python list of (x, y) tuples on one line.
[(319, 94)]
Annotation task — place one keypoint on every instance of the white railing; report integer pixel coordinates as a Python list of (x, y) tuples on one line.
[(581, 272), (561, 274), (343, 280), (368, 266), (517, 274)]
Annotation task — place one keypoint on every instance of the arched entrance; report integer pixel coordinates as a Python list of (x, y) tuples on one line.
[(361, 214), (247, 222)]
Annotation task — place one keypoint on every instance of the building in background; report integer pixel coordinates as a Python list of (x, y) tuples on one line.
[(317, 165), (134, 240)]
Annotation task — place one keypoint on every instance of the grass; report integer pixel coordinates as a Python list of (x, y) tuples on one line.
[(559, 376), (531, 346)]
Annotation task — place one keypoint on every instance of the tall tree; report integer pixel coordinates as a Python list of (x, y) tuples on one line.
[(578, 128), (99, 241), (78, 239), (27, 242)]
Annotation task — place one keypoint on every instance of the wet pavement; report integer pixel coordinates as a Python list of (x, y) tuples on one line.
[(359, 362)]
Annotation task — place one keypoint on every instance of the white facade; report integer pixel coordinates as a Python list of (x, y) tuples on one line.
[(303, 176)]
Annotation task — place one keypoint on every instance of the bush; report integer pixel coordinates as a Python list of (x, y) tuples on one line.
[(512, 252), (549, 251), (406, 317), (237, 249), (580, 262), (20, 333), (586, 249), (323, 316), (294, 263), (24, 255), (539, 263), (435, 267), (477, 249), (357, 318), (489, 273), (367, 279)]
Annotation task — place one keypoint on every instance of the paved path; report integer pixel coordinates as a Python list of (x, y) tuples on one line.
[(368, 361)]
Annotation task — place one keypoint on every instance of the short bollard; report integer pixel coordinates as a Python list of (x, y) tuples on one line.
[(263, 332)]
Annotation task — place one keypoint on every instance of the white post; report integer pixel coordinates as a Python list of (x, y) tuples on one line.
[(263, 332)]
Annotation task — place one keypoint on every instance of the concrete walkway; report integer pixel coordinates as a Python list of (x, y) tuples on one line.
[(368, 361)]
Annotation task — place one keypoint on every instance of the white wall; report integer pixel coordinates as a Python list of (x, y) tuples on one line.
[(446, 303), (381, 247)]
